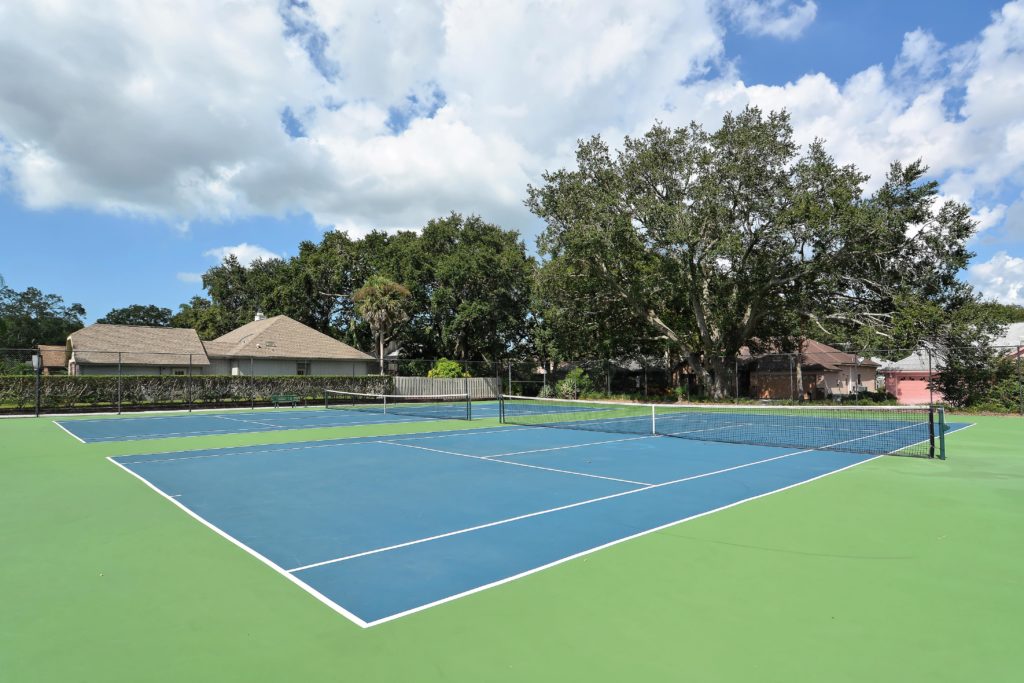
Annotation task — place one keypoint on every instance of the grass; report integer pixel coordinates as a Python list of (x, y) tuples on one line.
[(899, 569)]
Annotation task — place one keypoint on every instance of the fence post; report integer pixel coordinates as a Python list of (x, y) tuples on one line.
[(792, 391), (931, 392), (38, 373), (252, 383), (736, 378), (856, 371), (188, 389), (118, 382), (1020, 384), (510, 378)]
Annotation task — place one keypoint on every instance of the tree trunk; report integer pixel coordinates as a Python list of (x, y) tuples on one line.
[(722, 377), (799, 371), (380, 345)]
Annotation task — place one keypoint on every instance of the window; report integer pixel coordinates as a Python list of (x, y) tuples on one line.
[(178, 371), (302, 367)]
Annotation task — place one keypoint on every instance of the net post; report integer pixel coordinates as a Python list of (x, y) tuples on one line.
[(501, 408), (326, 404), (942, 433), (931, 431), (654, 421)]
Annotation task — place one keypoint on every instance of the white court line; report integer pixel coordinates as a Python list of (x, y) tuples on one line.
[(273, 565), (648, 487), (620, 494), (213, 432), (519, 464), (584, 553), (562, 448), (322, 443), (72, 435), (364, 624), (710, 429), (178, 413), (251, 422)]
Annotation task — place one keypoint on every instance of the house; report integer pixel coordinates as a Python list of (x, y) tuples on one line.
[(282, 346), (824, 371), (907, 379), (101, 349), (53, 359), (1011, 341), (267, 346)]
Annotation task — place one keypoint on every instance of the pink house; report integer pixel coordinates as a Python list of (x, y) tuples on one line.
[(907, 379)]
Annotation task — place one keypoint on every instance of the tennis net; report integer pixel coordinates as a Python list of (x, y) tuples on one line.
[(441, 407), (882, 430)]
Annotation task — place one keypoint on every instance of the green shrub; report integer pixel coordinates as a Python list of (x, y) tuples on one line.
[(173, 391), (575, 384), (546, 391), (447, 369)]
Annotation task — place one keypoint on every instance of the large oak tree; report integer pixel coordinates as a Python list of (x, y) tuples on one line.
[(711, 241)]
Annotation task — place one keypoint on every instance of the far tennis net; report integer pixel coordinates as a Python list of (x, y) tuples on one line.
[(882, 430), (441, 407)]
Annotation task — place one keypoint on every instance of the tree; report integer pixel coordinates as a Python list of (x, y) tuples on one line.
[(447, 369), (475, 280), (382, 304), (137, 314), (31, 317), (203, 316), (713, 241)]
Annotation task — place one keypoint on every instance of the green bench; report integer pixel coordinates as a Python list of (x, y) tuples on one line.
[(280, 399)]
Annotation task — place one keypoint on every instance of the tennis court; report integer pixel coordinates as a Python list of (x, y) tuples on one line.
[(381, 527), (94, 430)]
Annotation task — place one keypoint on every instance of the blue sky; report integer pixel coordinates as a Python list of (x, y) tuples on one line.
[(159, 139)]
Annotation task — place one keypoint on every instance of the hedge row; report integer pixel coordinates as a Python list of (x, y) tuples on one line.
[(17, 393)]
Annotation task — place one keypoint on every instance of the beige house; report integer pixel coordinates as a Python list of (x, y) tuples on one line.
[(135, 350), (53, 359), (824, 372), (265, 347), (282, 346)]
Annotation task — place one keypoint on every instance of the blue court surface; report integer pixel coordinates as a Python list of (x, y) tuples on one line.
[(206, 424), (380, 527)]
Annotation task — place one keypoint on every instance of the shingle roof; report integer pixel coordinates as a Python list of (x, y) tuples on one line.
[(281, 337), (100, 344), (53, 356), (814, 355), (1013, 335), (915, 362)]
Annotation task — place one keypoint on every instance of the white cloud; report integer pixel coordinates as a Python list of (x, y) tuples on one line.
[(1000, 278), (776, 18), (190, 278), (245, 253), (411, 109), (922, 55)]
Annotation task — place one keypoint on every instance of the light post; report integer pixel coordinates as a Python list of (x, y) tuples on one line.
[(37, 368)]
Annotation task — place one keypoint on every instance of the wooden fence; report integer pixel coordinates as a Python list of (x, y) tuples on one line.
[(478, 388)]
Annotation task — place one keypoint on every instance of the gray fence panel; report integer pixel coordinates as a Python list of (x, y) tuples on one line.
[(477, 387)]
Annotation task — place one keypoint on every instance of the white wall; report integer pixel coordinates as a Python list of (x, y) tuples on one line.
[(272, 367), (342, 368)]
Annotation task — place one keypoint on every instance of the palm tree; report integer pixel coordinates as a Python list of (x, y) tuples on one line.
[(381, 303)]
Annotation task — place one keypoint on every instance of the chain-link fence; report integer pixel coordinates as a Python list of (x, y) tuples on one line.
[(113, 381), (971, 378)]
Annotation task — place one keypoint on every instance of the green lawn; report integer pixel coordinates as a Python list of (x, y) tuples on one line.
[(901, 569)]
